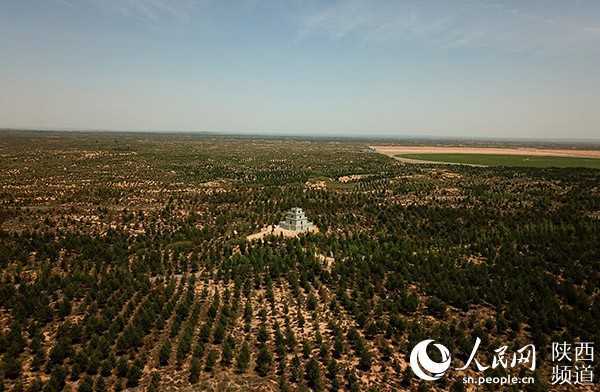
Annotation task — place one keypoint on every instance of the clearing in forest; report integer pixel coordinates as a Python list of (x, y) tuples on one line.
[(494, 156)]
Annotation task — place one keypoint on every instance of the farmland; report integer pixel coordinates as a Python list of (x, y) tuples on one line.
[(523, 155), (506, 160), (128, 261)]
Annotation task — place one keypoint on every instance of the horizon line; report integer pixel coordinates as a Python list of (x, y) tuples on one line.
[(364, 135)]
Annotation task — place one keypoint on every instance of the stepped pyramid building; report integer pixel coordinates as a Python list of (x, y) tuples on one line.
[(294, 224), (295, 220)]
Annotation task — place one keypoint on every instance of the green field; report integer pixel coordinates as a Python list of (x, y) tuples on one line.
[(507, 160)]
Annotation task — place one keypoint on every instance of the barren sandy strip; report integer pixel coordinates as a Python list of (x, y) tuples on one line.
[(392, 150), (276, 230)]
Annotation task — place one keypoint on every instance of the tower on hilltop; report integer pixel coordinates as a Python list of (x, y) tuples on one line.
[(295, 220)]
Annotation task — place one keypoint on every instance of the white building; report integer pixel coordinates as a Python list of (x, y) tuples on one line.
[(295, 220)]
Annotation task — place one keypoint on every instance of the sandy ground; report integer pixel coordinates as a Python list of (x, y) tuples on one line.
[(392, 150), (276, 230)]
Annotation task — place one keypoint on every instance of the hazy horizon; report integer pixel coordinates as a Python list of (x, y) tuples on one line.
[(398, 137), (489, 69)]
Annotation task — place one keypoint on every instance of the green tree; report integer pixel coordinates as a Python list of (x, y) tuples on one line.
[(211, 360), (306, 349), (290, 339), (36, 386), (57, 379), (283, 385), (86, 385), (313, 374), (122, 366), (338, 346), (365, 359), (243, 359), (247, 316), (100, 385), (311, 303), (105, 368), (11, 365), (352, 381), (164, 354), (295, 369), (263, 335), (18, 387), (219, 333), (194, 370), (332, 368), (134, 374), (154, 385), (227, 354), (264, 360)]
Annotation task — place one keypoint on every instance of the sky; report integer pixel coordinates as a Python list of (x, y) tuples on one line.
[(505, 68)]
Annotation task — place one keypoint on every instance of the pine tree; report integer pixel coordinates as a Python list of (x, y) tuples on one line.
[(154, 385), (119, 385), (300, 319), (38, 359), (199, 350), (295, 369), (365, 359), (211, 360), (282, 365), (86, 385), (264, 361), (227, 354), (93, 363), (36, 386), (11, 365), (105, 368), (134, 374), (18, 387), (205, 332), (122, 367), (195, 370), (332, 368), (57, 379), (406, 377), (219, 333), (75, 370), (247, 316), (386, 352), (313, 374), (311, 303), (306, 349), (100, 384), (338, 346), (283, 384), (164, 354), (352, 380), (335, 385), (290, 338), (279, 342), (263, 335), (243, 359), (323, 351), (458, 386)]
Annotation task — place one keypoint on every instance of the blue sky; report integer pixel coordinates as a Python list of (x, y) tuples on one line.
[(357, 67)]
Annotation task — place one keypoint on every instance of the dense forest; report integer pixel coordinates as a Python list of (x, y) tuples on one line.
[(124, 263)]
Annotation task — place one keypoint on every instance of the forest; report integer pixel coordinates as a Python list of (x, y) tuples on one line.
[(124, 263)]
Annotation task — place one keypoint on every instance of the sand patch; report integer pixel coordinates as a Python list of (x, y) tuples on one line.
[(393, 150), (277, 231)]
